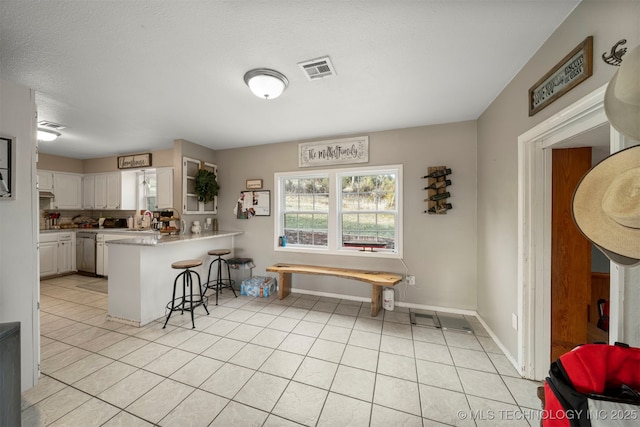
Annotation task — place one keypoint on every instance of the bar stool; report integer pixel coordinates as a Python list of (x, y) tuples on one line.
[(220, 283), (181, 304)]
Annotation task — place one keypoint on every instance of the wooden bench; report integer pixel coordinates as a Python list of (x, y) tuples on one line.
[(377, 279)]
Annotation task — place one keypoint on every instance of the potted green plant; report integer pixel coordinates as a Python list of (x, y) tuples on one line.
[(206, 185)]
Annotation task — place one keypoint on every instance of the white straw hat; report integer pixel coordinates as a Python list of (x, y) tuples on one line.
[(606, 206), (622, 97)]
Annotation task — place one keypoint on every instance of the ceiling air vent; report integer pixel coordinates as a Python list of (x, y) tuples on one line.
[(51, 125), (318, 68)]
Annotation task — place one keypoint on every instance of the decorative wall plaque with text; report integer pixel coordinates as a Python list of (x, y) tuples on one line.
[(334, 152), (574, 68), (134, 161)]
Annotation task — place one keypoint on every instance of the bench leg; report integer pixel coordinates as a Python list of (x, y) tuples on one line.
[(285, 285), (376, 299)]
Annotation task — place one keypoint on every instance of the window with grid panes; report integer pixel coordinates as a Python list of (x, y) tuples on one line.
[(306, 210), (321, 210), (368, 210)]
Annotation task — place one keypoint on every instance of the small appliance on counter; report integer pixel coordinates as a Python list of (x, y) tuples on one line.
[(115, 223)]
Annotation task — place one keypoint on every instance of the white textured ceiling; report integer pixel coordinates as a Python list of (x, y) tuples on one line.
[(132, 76)]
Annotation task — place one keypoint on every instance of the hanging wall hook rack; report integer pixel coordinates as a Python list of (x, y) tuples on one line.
[(615, 56)]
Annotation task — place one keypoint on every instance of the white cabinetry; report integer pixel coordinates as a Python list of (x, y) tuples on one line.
[(164, 188), (102, 251), (45, 181), (57, 253), (66, 252), (100, 192), (67, 190), (48, 254), (113, 190), (107, 190), (190, 202), (88, 191)]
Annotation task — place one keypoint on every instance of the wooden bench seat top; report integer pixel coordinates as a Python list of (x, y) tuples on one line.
[(379, 278)]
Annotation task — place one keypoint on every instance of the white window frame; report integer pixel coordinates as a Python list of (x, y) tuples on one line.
[(334, 231)]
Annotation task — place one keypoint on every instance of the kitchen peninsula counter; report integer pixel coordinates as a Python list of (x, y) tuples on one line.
[(140, 273)]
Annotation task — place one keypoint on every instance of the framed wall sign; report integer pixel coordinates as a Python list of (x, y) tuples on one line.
[(134, 161), (254, 184), (574, 68), (7, 170), (334, 152)]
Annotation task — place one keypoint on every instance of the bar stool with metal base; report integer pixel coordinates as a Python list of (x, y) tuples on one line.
[(220, 283), (181, 303)]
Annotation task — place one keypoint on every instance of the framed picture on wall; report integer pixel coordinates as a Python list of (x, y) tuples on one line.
[(257, 203), (7, 171)]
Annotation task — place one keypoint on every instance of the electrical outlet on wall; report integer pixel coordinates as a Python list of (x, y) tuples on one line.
[(514, 321), (411, 280)]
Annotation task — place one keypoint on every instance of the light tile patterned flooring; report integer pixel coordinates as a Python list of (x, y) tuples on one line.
[(305, 360)]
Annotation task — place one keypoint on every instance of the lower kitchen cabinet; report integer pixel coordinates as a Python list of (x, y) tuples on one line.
[(57, 253), (66, 253), (102, 251), (48, 258)]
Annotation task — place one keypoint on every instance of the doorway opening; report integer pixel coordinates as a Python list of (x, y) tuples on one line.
[(534, 231)]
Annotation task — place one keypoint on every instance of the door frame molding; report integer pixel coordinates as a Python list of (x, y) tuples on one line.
[(534, 230)]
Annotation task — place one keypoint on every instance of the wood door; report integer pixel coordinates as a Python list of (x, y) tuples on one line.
[(570, 254)]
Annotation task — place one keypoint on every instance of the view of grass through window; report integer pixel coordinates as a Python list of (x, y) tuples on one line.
[(306, 210), (366, 209)]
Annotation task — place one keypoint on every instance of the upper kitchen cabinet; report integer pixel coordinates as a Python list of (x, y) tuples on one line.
[(164, 188), (105, 191), (45, 181), (88, 191), (67, 190), (113, 199), (190, 202)]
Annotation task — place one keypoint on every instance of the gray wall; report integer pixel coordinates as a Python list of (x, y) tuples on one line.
[(440, 250), (498, 130)]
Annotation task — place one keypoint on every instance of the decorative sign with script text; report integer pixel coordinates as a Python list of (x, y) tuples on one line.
[(334, 152), (574, 68), (134, 161)]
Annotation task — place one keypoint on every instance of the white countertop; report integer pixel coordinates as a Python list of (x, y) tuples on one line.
[(156, 238), (101, 230)]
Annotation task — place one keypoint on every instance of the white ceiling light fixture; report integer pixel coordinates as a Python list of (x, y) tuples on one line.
[(47, 134), (266, 83)]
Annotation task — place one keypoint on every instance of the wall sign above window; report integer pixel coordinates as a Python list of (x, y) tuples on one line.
[(134, 161), (574, 68), (334, 152)]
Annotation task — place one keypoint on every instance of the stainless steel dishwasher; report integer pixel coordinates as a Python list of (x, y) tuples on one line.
[(86, 252)]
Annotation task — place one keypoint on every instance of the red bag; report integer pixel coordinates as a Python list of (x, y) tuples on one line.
[(594, 385)]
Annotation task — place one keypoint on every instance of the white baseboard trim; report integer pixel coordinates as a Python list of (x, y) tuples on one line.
[(504, 350), (398, 303), (436, 308), (426, 308)]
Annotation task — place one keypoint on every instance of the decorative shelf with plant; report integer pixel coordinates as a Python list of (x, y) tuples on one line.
[(206, 185), (200, 186)]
